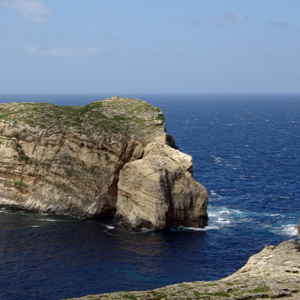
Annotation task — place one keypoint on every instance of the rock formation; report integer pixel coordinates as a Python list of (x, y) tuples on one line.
[(107, 158), (158, 189), (272, 273)]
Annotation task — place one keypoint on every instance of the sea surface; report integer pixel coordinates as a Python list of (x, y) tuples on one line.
[(246, 153)]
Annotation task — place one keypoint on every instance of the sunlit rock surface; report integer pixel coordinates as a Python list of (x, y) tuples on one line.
[(108, 158)]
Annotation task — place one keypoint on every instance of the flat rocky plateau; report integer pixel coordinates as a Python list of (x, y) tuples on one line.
[(272, 273)]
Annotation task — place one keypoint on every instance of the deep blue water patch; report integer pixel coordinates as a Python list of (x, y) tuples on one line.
[(245, 150)]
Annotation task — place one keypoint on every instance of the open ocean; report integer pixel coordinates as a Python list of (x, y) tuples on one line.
[(246, 153)]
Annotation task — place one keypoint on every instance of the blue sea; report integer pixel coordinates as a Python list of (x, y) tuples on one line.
[(246, 153)]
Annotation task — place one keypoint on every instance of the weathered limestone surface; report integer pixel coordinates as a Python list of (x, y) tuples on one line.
[(272, 273), (157, 190), (107, 158)]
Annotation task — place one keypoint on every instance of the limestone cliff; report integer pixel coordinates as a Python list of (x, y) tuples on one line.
[(107, 158)]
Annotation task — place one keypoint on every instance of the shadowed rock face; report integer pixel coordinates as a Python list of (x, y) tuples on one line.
[(107, 158)]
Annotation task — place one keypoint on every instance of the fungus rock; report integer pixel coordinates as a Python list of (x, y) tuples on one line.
[(108, 158)]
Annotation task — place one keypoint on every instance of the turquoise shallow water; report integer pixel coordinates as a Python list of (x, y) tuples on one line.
[(246, 152)]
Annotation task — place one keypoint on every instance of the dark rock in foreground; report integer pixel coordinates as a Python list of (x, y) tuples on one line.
[(272, 273)]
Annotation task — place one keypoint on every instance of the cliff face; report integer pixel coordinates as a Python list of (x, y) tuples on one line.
[(159, 189), (108, 158)]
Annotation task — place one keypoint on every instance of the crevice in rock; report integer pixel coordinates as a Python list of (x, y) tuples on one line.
[(171, 142)]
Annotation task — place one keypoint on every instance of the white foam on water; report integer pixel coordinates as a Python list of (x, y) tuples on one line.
[(290, 230), (209, 227), (272, 215), (108, 226), (50, 220), (213, 193), (218, 160), (221, 162), (35, 226), (214, 196), (212, 214), (222, 217), (223, 221), (287, 230), (218, 218), (186, 228)]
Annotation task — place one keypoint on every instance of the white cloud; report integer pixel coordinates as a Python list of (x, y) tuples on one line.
[(62, 51), (226, 20), (34, 10)]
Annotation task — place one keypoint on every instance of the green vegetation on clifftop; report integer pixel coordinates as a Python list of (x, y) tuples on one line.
[(118, 115)]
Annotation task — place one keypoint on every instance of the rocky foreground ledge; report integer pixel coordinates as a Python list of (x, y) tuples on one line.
[(272, 273), (110, 158)]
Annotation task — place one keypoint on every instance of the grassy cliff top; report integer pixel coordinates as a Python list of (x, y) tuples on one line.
[(116, 115)]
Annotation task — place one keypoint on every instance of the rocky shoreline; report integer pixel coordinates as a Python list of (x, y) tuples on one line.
[(272, 273)]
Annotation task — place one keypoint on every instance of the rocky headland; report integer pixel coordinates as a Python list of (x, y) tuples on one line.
[(110, 158), (272, 273)]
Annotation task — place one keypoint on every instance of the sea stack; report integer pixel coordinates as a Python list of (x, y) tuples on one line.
[(108, 158)]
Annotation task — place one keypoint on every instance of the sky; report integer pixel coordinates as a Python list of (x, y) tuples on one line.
[(149, 46)]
